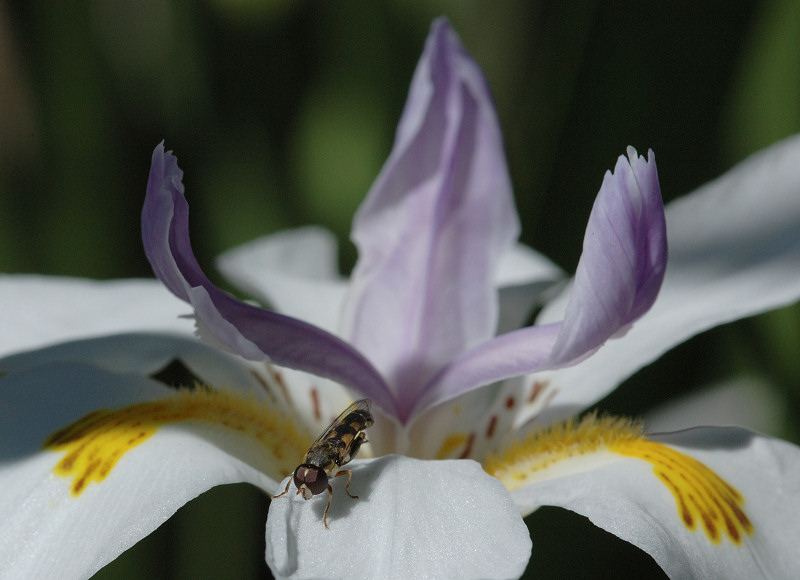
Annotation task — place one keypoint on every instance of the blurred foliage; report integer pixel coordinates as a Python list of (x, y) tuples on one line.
[(281, 113)]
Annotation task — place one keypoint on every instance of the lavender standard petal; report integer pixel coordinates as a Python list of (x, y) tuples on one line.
[(252, 332), (433, 226), (623, 262), (617, 280)]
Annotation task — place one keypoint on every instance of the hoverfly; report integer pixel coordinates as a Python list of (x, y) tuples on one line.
[(334, 448)]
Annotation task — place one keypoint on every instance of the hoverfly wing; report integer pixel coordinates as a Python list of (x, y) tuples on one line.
[(360, 405)]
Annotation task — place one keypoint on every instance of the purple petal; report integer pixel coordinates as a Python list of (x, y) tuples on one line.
[(623, 261), (252, 332), (734, 252), (617, 280), (433, 226)]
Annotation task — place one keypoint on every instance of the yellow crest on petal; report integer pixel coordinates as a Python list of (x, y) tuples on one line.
[(94, 444), (701, 496)]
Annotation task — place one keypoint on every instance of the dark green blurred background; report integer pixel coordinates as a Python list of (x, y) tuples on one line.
[(281, 113)]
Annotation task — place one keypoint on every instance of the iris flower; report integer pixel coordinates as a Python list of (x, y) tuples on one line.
[(477, 416)]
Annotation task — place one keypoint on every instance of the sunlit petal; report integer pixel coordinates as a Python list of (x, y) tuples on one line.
[(616, 281), (412, 518), (623, 261)]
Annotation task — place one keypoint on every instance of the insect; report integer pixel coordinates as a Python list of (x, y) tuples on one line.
[(334, 448)]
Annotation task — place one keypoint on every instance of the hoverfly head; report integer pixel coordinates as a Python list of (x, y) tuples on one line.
[(310, 480)]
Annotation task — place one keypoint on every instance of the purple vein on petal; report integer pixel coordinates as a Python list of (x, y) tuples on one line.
[(252, 332)]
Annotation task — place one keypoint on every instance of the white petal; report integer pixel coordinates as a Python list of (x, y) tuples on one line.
[(746, 402), (47, 532), (146, 354), (525, 279), (625, 498), (315, 401), (522, 265), (734, 251), (295, 271), (445, 431), (41, 310), (413, 519)]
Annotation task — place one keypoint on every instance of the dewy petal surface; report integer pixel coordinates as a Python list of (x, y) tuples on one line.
[(412, 519), (617, 279), (252, 332), (51, 526), (434, 225), (734, 252), (41, 310), (626, 498)]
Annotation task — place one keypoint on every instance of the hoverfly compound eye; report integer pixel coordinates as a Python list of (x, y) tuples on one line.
[(312, 477)]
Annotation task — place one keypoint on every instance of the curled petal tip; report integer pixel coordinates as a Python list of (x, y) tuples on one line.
[(623, 261), (251, 332)]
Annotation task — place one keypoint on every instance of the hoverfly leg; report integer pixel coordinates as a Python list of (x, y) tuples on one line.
[(347, 485), (325, 513), (285, 491)]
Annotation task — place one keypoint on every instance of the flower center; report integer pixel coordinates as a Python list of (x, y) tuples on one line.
[(574, 447), (94, 444)]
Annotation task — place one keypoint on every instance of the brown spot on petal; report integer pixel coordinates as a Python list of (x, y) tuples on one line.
[(491, 427)]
